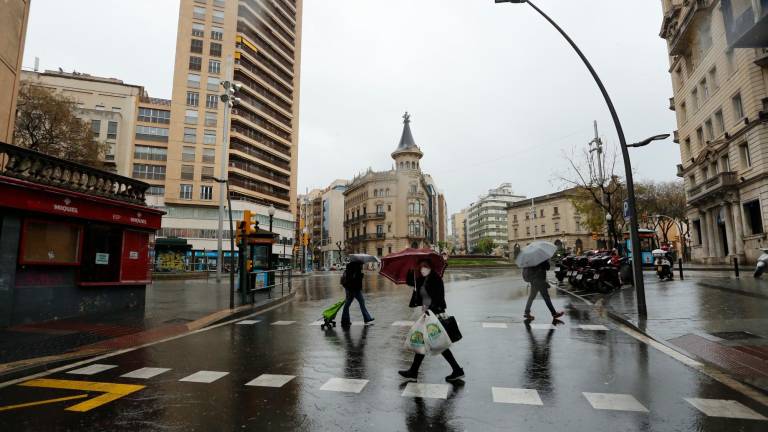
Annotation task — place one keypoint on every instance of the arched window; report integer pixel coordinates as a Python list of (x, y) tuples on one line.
[(411, 228), (418, 228), (411, 208), (375, 193), (401, 165), (387, 193)]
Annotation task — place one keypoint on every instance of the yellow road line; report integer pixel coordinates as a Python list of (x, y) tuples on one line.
[(29, 404), (111, 391)]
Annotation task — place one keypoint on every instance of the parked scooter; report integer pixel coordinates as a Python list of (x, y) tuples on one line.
[(762, 263), (663, 262), (563, 267)]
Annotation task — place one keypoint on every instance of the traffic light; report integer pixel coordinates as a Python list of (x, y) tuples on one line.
[(249, 222), (240, 232)]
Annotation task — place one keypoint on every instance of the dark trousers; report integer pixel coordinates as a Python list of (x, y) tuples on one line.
[(354, 295), (447, 355), (536, 289)]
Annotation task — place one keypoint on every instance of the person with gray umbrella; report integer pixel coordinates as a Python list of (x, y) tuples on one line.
[(534, 260)]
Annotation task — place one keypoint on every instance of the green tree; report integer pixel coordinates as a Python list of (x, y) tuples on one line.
[(485, 245), (47, 122)]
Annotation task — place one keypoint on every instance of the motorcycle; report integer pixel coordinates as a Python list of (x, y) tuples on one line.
[(762, 263), (663, 263), (563, 267)]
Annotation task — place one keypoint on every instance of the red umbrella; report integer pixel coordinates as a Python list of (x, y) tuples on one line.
[(395, 267)]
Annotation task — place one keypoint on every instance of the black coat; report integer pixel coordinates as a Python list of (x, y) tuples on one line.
[(353, 277), (435, 289)]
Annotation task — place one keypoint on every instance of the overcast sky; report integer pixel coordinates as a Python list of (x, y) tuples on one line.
[(496, 95)]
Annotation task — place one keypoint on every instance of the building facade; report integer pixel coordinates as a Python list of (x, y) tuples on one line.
[(13, 31), (459, 230), (718, 60), (332, 224), (388, 211), (487, 218), (108, 104), (553, 218), (257, 44)]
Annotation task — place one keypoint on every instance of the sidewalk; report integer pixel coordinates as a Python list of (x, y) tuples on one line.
[(172, 307), (718, 319)]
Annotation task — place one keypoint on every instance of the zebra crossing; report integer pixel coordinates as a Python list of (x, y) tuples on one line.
[(499, 395)]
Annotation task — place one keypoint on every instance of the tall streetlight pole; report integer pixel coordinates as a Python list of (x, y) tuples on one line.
[(637, 263), (231, 246), (228, 99)]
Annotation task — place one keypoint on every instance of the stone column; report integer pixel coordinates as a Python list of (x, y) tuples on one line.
[(738, 228), (714, 249), (729, 231), (705, 242)]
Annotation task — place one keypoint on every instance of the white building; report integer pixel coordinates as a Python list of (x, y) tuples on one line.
[(487, 218)]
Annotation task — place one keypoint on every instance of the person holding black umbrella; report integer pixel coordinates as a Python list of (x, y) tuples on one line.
[(429, 294)]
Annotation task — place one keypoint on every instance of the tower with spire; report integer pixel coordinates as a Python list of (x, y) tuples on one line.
[(407, 154)]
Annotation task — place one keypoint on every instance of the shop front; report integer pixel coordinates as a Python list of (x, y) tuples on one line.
[(73, 240)]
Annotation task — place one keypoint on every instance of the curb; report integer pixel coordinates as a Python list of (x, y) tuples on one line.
[(9, 371)]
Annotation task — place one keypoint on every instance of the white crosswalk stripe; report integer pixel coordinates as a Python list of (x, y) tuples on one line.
[(432, 391), (593, 327), (516, 396), (145, 373), (403, 323), (268, 380), (92, 369), (206, 377), (317, 323), (543, 326), (614, 402), (344, 385), (724, 408), (283, 323), (495, 325), (248, 322)]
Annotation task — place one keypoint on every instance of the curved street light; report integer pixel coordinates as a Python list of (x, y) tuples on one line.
[(647, 141), (637, 262)]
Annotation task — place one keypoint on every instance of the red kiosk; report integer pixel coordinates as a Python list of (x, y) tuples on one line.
[(74, 240)]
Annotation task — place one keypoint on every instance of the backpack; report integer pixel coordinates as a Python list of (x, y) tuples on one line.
[(528, 274), (344, 279)]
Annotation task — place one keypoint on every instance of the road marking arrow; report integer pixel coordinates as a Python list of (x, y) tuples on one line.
[(49, 401), (112, 391)]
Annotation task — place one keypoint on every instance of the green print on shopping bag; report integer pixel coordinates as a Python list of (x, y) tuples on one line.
[(417, 339), (433, 331)]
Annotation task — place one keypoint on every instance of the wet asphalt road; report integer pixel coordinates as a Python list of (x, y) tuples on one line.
[(551, 369)]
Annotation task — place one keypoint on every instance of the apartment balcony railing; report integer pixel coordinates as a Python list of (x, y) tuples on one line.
[(365, 217), (40, 168), (712, 187), (750, 28)]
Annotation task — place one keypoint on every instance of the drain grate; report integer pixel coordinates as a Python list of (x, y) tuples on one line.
[(735, 335)]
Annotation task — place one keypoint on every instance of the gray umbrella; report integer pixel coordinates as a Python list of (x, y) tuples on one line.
[(535, 253), (363, 258)]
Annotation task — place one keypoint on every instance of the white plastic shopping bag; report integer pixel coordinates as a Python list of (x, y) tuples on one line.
[(415, 340), (437, 338)]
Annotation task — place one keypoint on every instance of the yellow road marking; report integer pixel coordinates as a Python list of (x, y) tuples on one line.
[(112, 391), (29, 404)]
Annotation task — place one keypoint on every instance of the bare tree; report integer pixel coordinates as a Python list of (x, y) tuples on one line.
[(47, 122)]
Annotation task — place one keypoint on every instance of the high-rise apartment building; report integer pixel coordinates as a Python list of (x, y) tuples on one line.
[(719, 67), (13, 30), (256, 43), (487, 218)]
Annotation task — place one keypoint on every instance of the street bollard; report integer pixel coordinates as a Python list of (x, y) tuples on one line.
[(736, 266), (680, 267)]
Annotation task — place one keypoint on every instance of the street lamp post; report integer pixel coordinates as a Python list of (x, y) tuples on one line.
[(271, 212), (637, 263), (231, 247), (229, 100)]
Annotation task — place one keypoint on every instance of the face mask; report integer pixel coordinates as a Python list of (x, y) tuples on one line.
[(425, 271)]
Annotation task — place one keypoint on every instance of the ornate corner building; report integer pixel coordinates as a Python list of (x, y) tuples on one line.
[(719, 67), (387, 211)]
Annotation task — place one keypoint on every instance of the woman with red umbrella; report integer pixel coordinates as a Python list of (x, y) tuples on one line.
[(428, 293)]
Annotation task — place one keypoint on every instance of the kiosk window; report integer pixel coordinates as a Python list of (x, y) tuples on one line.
[(49, 242)]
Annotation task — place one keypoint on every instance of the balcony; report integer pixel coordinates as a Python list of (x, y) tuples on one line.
[(712, 188), (744, 26), (672, 104), (39, 168), (680, 40)]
